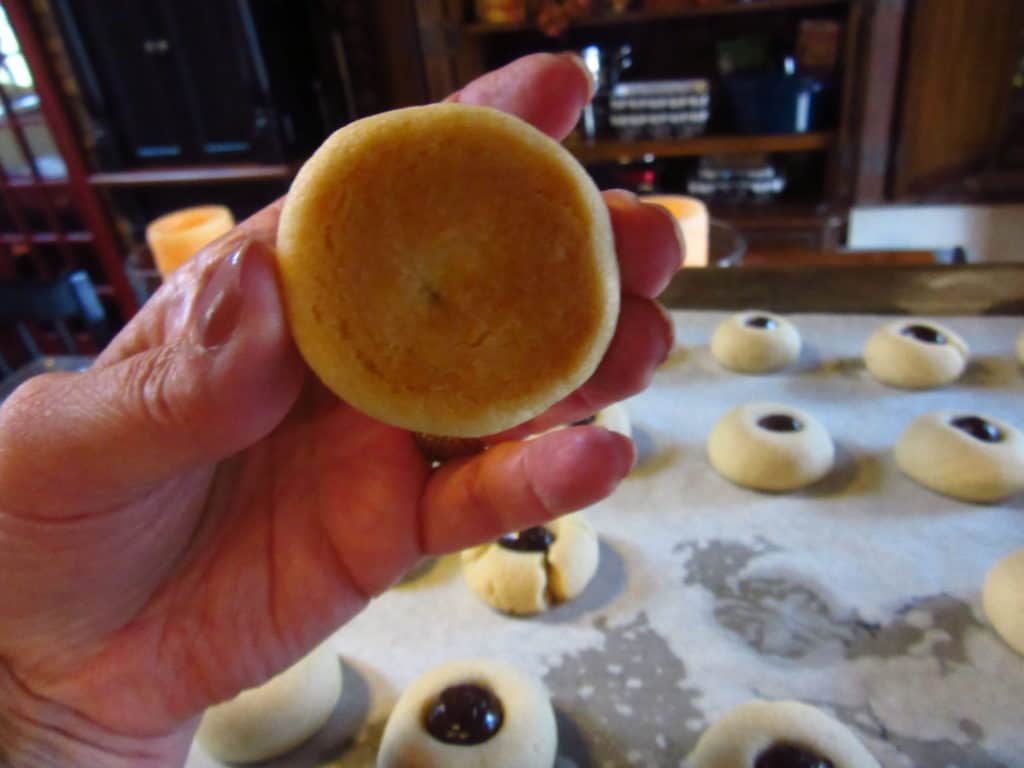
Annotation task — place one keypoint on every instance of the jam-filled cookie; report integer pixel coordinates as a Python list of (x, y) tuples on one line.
[(471, 714), (426, 256), (755, 342), (915, 354), (264, 722), (1003, 599), (964, 455), (770, 447), (525, 572), (778, 734)]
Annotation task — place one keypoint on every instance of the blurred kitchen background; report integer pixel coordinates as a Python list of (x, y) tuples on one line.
[(883, 131)]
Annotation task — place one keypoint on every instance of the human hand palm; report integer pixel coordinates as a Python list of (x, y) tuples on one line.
[(191, 575)]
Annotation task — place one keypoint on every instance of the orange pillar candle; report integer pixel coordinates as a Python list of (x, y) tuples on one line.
[(175, 237), (692, 216)]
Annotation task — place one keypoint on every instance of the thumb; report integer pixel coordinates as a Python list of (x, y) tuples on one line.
[(92, 439)]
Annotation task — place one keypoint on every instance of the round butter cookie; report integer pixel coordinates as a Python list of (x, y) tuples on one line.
[(1003, 599), (755, 342), (477, 713), (448, 269), (779, 734), (525, 572), (770, 447), (913, 354), (964, 455), (267, 721)]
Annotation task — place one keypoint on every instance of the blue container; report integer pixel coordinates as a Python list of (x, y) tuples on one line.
[(771, 102)]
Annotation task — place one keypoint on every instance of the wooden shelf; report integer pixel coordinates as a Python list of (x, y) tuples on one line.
[(612, 151), (195, 174), (769, 226), (720, 8), (26, 119), (44, 238), (815, 257), (978, 289), (760, 213), (27, 182)]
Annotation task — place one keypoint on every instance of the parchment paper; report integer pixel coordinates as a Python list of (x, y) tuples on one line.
[(860, 595)]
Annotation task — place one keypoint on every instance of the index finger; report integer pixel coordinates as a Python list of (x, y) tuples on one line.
[(547, 90)]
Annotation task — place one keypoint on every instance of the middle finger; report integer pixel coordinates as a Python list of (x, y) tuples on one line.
[(648, 242)]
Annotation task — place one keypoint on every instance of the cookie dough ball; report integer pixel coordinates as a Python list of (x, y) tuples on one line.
[(755, 342), (425, 257), (615, 417), (1003, 599), (914, 354), (264, 722), (470, 714), (523, 573), (779, 734), (964, 455), (770, 447)]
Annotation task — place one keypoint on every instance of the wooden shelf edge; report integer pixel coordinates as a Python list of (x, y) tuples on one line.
[(27, 182), (766, 214), (989, 289), (44, 238), (196, 174), (636, 17), (611, 151)]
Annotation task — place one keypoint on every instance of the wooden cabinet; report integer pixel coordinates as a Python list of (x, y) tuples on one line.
[(190, 81), (930, 103), (962, 112), (828, 167)]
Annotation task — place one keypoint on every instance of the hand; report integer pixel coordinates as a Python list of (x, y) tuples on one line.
[(195, 511)]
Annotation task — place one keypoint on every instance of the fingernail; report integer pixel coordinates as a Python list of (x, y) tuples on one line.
[(628, 455), (625, 197), (218, 306), (576, 59)]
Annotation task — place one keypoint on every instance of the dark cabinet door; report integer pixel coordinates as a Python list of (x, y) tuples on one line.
[(134, 82), (218, 65), (173, 80)]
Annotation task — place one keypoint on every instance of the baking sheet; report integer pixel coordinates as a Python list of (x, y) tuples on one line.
[(860, 595)]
